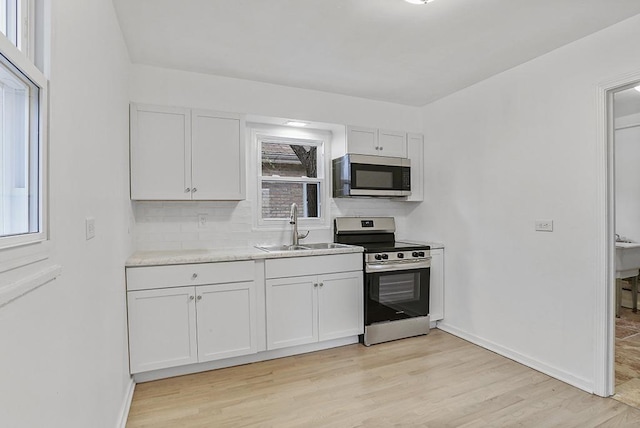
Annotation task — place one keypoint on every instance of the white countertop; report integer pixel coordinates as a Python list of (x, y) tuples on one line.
[(177, 257)]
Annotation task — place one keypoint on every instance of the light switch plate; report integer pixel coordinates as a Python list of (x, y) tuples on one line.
[(90, 226), (544, 225)]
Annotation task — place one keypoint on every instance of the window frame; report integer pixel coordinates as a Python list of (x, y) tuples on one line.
[(319, 138), (21, 61)]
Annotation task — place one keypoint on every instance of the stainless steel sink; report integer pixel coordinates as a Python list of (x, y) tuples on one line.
[(319, 246), (325, 246), (627, 256), (272, 248)]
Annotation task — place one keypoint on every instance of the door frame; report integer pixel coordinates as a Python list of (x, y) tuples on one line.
[(604, 313)]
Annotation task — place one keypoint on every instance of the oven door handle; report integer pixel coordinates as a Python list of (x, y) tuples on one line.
[(396, 266)]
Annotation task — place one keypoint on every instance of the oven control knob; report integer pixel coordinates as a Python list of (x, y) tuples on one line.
[(421, 253), (401, 255), (415, 254), (378, 257), (385, 256)]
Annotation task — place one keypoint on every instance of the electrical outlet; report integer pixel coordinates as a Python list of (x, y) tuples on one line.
[(90, 227), (202, 221), (544, 225)]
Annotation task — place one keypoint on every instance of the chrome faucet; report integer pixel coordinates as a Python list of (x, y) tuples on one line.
[(293, 220)]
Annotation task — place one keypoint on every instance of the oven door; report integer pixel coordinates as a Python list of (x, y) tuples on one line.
[(395, 295)]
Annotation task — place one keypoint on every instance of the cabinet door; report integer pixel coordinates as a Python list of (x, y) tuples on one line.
[(217, 149), (226, 320), (292, 311), (162, 328), (362, 140), (415, 152), (392, 143), (160, 153), (436, 285), (340, 305)]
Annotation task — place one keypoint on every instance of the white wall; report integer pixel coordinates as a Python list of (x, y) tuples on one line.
[(63, 358), (514, 148), (173, 225), (627, 177)]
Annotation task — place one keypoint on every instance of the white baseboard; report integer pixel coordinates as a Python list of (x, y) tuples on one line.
[(245, 359), (126, 404), (554, 372)]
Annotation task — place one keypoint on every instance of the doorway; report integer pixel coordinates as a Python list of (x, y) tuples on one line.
[(624, 149)]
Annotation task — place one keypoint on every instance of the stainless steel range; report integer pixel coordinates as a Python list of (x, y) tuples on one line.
[(396, 285)]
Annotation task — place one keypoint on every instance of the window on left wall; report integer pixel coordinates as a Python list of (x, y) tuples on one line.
[(23, 92)]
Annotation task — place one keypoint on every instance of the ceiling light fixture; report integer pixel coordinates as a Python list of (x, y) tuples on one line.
[(296, 123), (418, 1)]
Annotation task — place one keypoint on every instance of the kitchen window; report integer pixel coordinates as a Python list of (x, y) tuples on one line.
[(291, 170), (22, 137)]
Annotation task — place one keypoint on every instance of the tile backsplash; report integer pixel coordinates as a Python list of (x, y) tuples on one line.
[(230, 224)]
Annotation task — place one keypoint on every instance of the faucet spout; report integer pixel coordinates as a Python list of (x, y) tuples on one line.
[(293, 220)]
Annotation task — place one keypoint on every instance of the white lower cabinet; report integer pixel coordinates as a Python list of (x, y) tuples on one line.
[(186, 324), (292, 311), (314, 308), (162, 328), (436, 285), (226, 316), (340, 305)]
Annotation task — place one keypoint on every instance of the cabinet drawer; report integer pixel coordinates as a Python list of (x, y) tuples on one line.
[(314, 265), (142, 278)]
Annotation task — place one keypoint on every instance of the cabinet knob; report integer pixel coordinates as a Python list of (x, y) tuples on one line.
[(200, 297), (315, 284), (321, 284), (190, 297), (187, 190), (194, 276), (194, 190), (381, 148)]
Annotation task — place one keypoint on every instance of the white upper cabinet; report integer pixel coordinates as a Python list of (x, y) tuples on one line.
[(217, 155), (415, 152), (185, 154), (160, 153), (377, 142), (362, 140), (392, 143)]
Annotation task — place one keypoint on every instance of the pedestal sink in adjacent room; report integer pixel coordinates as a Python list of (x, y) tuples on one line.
[(627, 266)]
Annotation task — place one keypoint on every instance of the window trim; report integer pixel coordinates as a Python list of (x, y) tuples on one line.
[(322, 139), (21, 61)]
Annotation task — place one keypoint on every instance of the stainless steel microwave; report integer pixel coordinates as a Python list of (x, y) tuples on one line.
[(363, 175)]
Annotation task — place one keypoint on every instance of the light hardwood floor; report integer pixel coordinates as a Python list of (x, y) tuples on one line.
[(436, 381)]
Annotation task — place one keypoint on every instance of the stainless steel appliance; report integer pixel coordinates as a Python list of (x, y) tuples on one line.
[(396, 284), (363, 175)]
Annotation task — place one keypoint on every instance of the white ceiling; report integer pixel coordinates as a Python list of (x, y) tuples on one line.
[(386, 50)]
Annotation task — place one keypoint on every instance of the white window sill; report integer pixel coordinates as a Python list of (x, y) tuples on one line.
[(25, 268), (18, 288)]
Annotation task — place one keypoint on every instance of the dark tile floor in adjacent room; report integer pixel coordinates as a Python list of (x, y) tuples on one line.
[(627, 354)]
